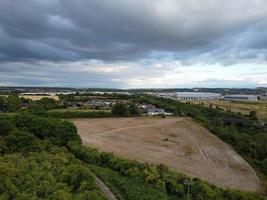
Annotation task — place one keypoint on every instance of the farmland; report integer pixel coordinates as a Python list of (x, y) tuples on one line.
[(179, 143), (243, 107), (38, 97)]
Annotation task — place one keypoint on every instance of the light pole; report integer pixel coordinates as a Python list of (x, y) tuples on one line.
[(188, 183)]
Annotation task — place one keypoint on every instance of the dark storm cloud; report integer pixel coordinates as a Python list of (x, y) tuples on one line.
[(137, 43), (122, 30)]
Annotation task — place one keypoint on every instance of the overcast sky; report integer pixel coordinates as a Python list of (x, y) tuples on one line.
[(133, 43)]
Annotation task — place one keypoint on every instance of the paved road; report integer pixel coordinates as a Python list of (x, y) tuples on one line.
[(105, 189)]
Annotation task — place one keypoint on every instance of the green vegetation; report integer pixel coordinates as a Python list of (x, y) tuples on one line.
[(77, 114), (2, 103), (42, 158), (168, 183), (88, 96), (11, 103), (36, 165), (126, 187), (122, 110), (46, 175), (119, 110), (79, 110)]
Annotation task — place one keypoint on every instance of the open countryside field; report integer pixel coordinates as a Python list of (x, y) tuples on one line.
[(179, 143), (243, 107), (38, 97)]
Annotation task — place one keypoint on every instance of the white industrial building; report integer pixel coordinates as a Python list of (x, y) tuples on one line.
[(197, 96), (236, 97)]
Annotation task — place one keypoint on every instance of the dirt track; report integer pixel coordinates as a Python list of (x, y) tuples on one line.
[(179, 143)]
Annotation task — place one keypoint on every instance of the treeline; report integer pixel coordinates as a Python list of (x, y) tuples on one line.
[(125, 187), (77, 114), (165, 180), (83, 97), (10, 103), (243, 132), (45, 107), (14, 103), (118, 110)]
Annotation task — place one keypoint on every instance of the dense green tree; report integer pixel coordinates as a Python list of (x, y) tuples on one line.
[(2, 103), (78, 177), (48, 103), (119, 110), (264, 165), (253, 115), (39, 176), (6, 125), (133, 110), (37, 109), (13, 103), (22, 141), (25, 100), (57, 131)]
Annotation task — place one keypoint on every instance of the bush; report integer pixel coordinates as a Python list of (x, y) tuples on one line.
[(13, 103), (119, 110), (6, 125), (57, 131), (78, 176), (22, 141)]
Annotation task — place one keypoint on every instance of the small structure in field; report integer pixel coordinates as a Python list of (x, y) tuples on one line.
[(146, 107), (263, 97)]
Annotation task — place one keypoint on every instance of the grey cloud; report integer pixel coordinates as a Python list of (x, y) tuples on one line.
[(120, 30), (81, 42)]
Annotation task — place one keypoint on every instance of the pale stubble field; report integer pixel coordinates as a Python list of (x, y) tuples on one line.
[(178, 143)]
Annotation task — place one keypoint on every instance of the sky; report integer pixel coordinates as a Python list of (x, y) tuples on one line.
[(133, 43)]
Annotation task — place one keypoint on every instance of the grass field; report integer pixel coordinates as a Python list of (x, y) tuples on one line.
[(179, 143), (38, 97), (243, 107)]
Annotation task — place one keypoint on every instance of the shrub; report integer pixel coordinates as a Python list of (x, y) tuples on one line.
[(119, 110)]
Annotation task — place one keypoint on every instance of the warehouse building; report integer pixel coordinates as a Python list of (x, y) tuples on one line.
[(240, 97)]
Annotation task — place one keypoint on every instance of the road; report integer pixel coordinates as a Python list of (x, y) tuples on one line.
[(105, 189)]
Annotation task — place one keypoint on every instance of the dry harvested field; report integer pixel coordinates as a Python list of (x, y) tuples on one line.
[(244, 107), (179, 143), (38, 97)]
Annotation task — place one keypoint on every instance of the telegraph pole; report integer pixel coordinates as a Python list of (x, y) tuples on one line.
[(188, 183)]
